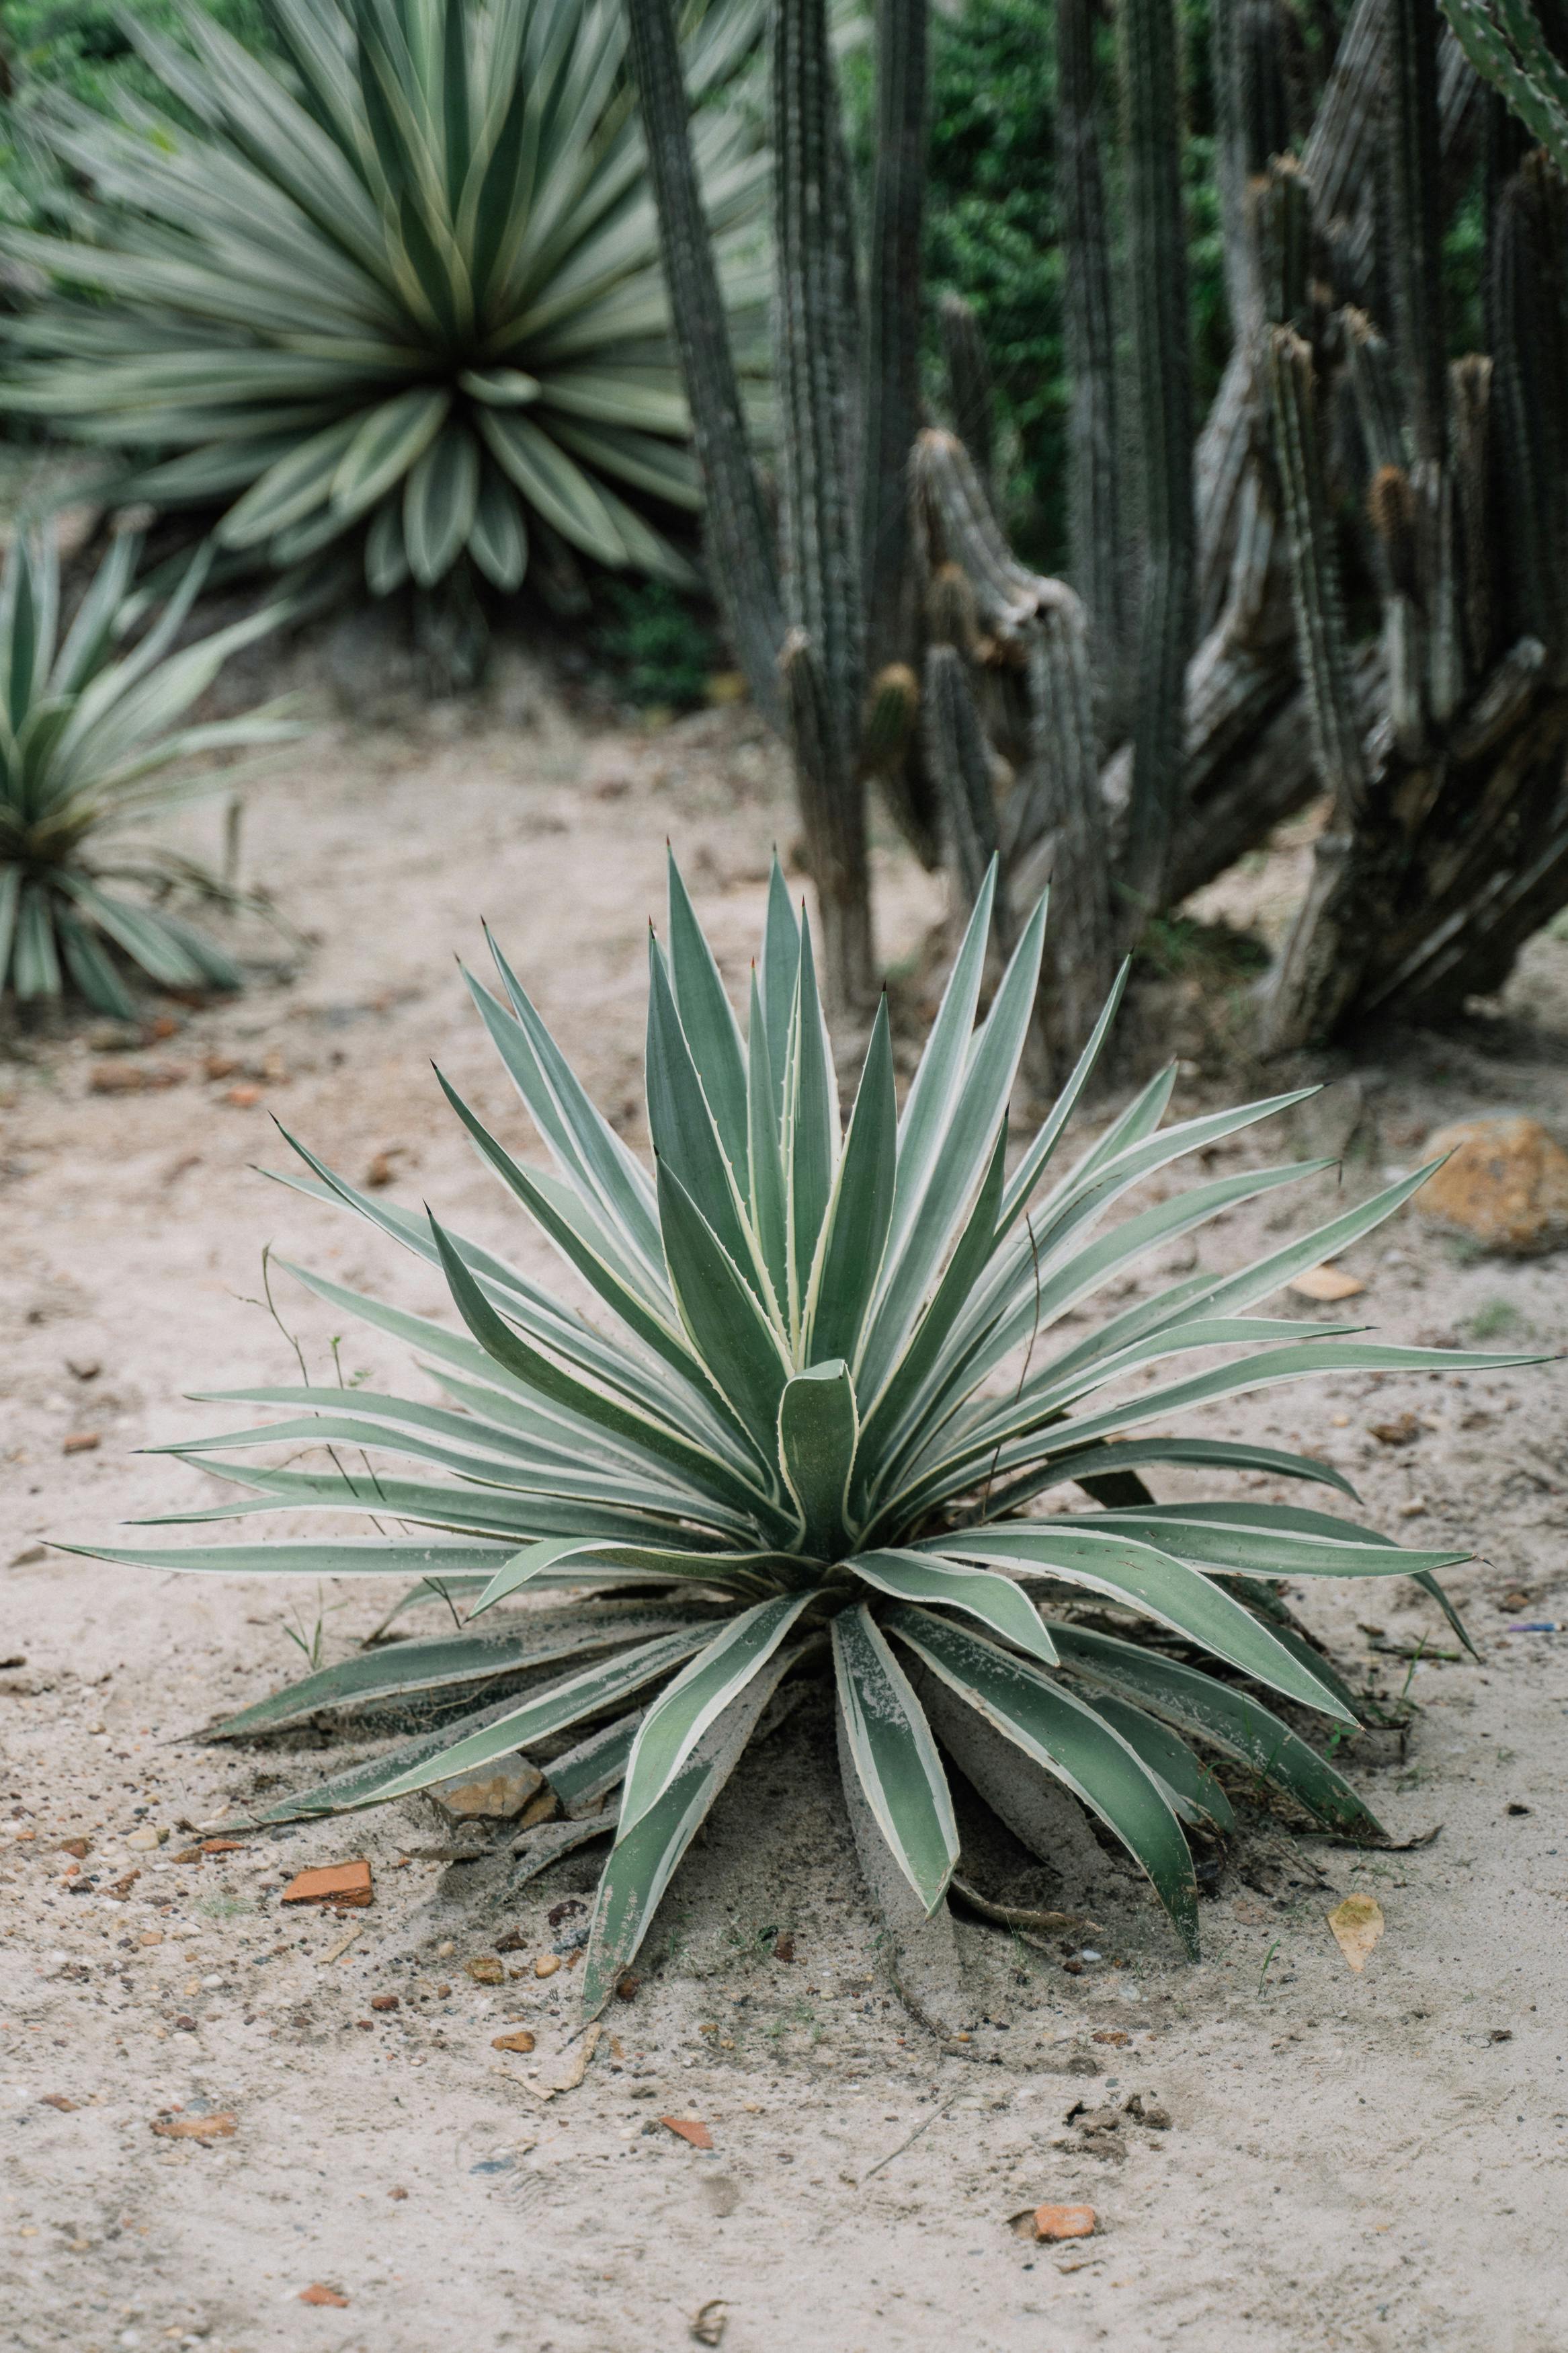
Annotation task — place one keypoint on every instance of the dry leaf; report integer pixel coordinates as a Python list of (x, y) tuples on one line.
[(1357, 1923), (1325, 1282)]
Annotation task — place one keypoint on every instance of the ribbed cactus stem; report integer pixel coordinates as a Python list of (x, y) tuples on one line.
[(739, 535), (893, 325), (825, 665), (1100, 568), (1319, 608), (952, 610), (959, 761), (1415, 218), (971, 394), (1529, 401), (1157, 276), (1063, 778), (962, 528), (887, 730), (1281, 209)]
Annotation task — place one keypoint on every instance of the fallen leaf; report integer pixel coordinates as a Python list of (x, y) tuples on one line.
[(318, 2293), (220, 2127), (222, 1846), (1064, 2221), (1357, 1923), (689, 2128), (343, 1884), (1325, 1282), (522, 2040)]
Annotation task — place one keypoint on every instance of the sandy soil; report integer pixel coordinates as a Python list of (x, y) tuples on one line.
[(1350, 2161)]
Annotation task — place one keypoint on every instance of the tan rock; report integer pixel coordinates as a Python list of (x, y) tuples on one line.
[(1505, 1185), (498, 1794)]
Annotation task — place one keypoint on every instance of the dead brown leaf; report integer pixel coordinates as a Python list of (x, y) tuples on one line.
[(1357, 1925)]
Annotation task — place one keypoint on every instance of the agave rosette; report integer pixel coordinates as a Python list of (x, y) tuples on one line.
[(92, 743), (807, 1444), (404, 283)]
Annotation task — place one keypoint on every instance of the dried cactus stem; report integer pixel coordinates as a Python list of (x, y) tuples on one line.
[(960, 762), (833, 816)]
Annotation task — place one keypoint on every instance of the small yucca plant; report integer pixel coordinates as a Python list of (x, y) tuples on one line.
[(89, 730), (404, 283), (810, 1444)]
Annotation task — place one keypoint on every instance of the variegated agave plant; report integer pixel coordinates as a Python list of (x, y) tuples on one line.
[(404, 284), (816, 1440)]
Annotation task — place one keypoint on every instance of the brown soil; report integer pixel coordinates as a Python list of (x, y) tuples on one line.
[(1352, 2161)]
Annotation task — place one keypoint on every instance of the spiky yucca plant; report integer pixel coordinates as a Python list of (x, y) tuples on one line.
[(406, 283), (810, 1444), (89, 730)]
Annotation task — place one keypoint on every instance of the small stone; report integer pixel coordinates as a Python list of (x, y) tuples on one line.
[(1056, 2222), (520, 2040), (498, 1794), (151, 1937), (546, 1965), (146, 1839), (243, 1099), (1325, 1282), (384, 2001), (80, 1846), (81, 1441), (318, 2293), (83, 1368), (398, 2194), (1504, 1184), (201, 2128), (1403, 1430), (485, 1970)]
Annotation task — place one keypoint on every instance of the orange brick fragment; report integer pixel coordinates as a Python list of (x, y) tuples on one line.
[(316, 2293), (81, 1441), (222, 1846), (689, 2128), (522, 2040), (242, 1098), (345, 1886), (1064, 2221)]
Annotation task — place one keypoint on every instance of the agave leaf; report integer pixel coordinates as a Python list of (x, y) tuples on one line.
[(1112, 1455), (582, 1777), (680, 1715), (780, 971), (720, 1309), (707, 1020), (764, 1161), (1071, 1741), (997, 1602), (1191, 1790), (817, 1437), (895, 1757), (855, 1230), (1232, 1721), (397, 1670), (643, 1860), (1151, 1582), (588, 1693), (498, 539), (385, 445), (810, 1133), (1273, 1540)]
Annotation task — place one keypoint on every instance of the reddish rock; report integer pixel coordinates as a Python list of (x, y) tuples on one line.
[(689, 2128), (344, 1886), (1064, 2221), (1504, 1184)]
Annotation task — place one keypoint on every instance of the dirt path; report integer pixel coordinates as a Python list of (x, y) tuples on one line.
[(1350, 2162)]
